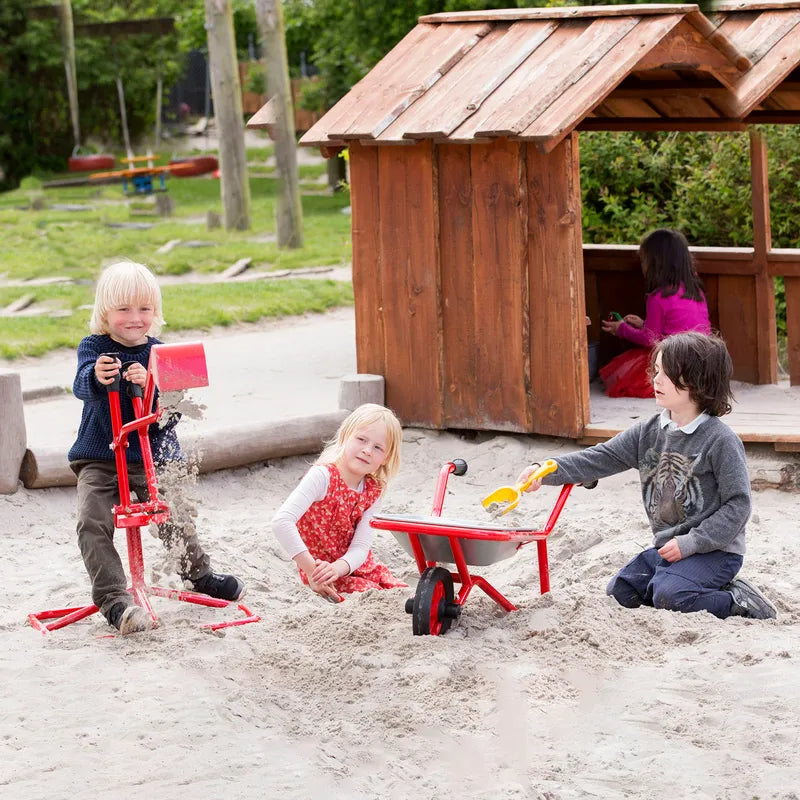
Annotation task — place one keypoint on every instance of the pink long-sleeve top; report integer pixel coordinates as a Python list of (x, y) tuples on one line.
[(665, 316)]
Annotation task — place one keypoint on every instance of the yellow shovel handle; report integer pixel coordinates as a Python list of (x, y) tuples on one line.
[(539, 473)]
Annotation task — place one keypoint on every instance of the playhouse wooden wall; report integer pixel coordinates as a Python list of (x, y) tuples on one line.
[(468, 276)]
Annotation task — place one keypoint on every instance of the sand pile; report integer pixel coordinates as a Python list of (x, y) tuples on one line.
[(570, 697)]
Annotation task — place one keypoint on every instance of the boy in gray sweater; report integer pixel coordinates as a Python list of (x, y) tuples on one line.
[(695, 487)]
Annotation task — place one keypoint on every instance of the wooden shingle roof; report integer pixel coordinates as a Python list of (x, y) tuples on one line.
[(768, 33), (536, 74)]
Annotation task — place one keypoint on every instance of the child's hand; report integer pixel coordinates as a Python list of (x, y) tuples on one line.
[(106, 369), (634, 321), (324, 590), (326, 572), (523, 476), (611, 326), (671, 551), (136, 373)]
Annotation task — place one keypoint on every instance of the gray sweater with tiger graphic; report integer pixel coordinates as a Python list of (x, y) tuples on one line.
[(695, 486)]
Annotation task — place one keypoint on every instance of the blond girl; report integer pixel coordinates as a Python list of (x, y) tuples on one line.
[(324, 523)]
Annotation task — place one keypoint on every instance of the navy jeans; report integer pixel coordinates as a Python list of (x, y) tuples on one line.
[(691, 584)]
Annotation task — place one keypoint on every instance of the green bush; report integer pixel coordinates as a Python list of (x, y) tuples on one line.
[(698, 183)]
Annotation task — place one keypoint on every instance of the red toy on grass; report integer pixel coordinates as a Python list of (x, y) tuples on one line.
[(90, 163), (172, 367), (195, 165)]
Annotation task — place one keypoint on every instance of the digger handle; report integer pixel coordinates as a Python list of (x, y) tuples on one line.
[(134, 390), (114, 385), (544, 469)]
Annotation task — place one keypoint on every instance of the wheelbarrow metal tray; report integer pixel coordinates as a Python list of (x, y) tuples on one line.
[(482, 544)]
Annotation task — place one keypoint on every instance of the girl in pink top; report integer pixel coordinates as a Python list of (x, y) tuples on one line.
[(675, 304), (324, 523)]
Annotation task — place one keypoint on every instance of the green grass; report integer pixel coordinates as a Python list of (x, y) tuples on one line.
[(186, 307), (77, 244)]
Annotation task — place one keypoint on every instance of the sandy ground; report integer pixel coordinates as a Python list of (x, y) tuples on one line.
[(571, 696)]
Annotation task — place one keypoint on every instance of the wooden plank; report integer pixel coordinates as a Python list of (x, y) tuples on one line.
[(780, 100), (449, 102), (264, 117), (684, 106), (772, 118), (765, 76), (783, 442), (644, 124), (625, 107), (345, 111), (785, 263), (766, 331), (573, 12), (368, 268), (596, 84), (708, 260), (792, 288), (647, 89), (764, 32), (422, 66), (685, 48), (559, 378), (787, 447), (737, 324), (517, 89), (499, 242), (459, 291), (717, 39), (410, 282), (739, 6), (711, 289), (558, 71)]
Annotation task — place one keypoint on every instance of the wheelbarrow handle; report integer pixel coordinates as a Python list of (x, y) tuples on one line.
[(539, 473)]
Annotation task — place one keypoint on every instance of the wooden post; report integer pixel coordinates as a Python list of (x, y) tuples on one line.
[(765, 328), (68, 44), (234, 184), (157, 132), (123, 116), (13, 439), (288, 210)]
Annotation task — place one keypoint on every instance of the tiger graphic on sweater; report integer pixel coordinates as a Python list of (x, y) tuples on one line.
[(671, 490)]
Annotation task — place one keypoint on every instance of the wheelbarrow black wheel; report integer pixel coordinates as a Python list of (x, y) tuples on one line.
[(434, 609)]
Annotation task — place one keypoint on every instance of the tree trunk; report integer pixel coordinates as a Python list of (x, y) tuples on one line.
[(234, 184), (288, 212), (68, 44)]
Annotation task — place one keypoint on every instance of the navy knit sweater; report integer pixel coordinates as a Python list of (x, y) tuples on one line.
[(95, 434)]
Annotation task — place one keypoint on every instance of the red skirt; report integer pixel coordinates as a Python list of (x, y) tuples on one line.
[(627, 375)]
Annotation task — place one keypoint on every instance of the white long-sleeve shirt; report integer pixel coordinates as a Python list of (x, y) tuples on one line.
[(311, 489)]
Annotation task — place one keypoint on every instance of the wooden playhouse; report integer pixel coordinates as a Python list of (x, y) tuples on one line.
[(470, 275)]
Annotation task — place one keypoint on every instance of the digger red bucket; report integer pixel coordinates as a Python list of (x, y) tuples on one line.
[(178, 366)]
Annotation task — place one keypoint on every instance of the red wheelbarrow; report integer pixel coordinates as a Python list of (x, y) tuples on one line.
[(172, 367), (433, 539)]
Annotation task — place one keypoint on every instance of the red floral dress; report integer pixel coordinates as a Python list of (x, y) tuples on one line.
[(327, 529)]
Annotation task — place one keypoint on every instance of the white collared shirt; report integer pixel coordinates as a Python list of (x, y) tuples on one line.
[(665, 421)]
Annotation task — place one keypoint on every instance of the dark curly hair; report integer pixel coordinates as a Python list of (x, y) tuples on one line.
[(701, 364)]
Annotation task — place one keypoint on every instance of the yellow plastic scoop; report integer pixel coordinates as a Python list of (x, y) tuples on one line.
[(504, 499)]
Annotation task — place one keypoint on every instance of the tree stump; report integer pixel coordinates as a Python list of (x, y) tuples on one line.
[(354, 390)]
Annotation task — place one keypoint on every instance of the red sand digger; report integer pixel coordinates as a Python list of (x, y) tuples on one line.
[(433, 539), (173, 367)]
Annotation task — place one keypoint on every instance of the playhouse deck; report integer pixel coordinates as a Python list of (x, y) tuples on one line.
[(767, 414)]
